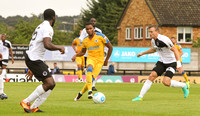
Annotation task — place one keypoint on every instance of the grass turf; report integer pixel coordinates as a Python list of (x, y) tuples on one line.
[(159, 100)]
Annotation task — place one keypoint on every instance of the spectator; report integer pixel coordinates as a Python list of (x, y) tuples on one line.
[(111, 69), (56, 69)]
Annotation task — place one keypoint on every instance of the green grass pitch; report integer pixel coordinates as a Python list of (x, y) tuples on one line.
[(159, 100)]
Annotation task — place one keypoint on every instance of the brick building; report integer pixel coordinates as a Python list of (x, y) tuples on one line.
[(176, 18)]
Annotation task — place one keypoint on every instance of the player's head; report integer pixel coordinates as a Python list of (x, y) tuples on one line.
[(80, 32), (3, 37), (50, 15), (154, 31), (173, 39), (89, 28), (55, 64), (93, 21)]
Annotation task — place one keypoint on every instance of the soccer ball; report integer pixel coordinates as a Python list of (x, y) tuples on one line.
[(99, 98)]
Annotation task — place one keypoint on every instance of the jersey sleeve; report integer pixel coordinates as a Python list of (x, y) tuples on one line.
[(48, 32), (97, 30), (153, 45), (9, 45), (75, 41), (105, 39), (169, 43)]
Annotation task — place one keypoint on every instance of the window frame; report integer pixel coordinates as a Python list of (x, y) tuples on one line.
[(184, 33), (139, 33), (147, 33), (128, 35)]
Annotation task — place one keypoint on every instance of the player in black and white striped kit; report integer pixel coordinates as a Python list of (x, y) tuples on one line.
[(41, 40), (7, 48), (2, 94), (169, 61)]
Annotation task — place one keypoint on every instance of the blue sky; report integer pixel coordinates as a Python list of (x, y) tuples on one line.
[(28, 7)]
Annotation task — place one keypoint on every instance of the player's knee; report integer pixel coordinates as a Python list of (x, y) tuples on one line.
[(90, 69), (79, 67), (152, 76), (166, 83), (51, 85)]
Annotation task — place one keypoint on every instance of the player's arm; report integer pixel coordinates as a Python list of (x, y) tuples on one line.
[(149, 51), (11, 53), (110, 49), (176, 53), (50, 46), (181, 52), (74, 46), (1, 56), (81, 53)]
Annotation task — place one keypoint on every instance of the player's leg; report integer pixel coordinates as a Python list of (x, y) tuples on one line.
[(79, 63), (186, 79), (83, 65), (157, 71), (173, 83), (4, 67), (87, 86), (41, 71), (79, 73), (89, 80), (93, 85), (146, 86), (96, 72), (48, 86), (2, 76), (79, 95)]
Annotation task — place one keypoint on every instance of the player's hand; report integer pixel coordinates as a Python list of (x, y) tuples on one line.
[(29, 75), (139, 54), (62, 50), (13, 61), (180, 70), (73, 58), (105, 63), (76, 51)]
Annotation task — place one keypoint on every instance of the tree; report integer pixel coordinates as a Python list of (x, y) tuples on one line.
[(107, 14), (23, 30), (196, 44), (21, 33)]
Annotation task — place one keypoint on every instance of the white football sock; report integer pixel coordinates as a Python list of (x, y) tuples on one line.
[(94, 82), (175, 83), (145, 88), (3, 72), (40, 99), (38, 91), (1, 84)]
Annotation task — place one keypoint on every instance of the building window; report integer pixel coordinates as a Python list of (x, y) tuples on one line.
[(128, 33), (147, 32), (138, 33), (184, 34)]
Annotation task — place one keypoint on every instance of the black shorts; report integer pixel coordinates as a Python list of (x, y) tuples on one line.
[(4, 62), (169, 69), (39, 69)]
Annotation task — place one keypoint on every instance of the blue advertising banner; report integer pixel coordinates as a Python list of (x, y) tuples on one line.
[(129, 54)]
